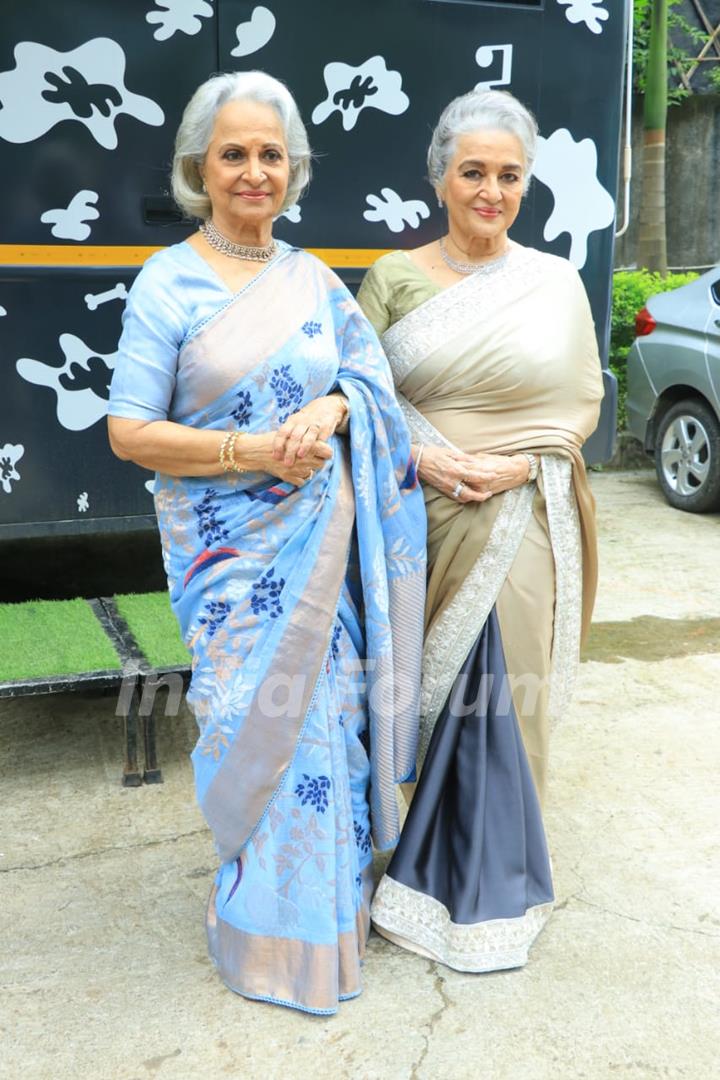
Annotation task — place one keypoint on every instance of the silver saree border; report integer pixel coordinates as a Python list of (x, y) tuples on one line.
[(413, 337), (421, 923), (451, 638), (565, 538)]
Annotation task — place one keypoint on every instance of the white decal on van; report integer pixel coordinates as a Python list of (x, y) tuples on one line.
[(69, 223), (83, 503), (293, 213), (94, 300), (82, 384), (86, 84), (9, 457), (254, 34), (588, 11), (484, 58), (352, 89), (3, 311), (582, 205), (149, 485), (390, 208), (179, 16)]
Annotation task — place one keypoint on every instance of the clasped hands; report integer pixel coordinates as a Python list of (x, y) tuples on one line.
[(472, 477), (300, 446)]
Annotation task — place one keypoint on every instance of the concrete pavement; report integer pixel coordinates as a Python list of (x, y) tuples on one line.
[(104, 971)]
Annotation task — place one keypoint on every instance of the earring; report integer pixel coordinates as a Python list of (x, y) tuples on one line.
[(202, 187), (440, 202)]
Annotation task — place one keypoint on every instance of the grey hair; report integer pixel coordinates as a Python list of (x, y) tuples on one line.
[(196, 127), (475, 111)]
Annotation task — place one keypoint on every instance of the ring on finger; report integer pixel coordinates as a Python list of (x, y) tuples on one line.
[(457, 490)]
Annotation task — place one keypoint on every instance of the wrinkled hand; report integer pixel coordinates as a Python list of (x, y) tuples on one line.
[(495, 473), (482, 475), (258, 453), (309, 427), (444, 469)]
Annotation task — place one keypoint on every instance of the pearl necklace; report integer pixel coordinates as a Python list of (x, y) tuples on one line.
[(236, 251), (466, 267)]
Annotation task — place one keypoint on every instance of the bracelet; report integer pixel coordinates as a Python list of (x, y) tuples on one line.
[(418, 459), (227, 453), (533, 466)]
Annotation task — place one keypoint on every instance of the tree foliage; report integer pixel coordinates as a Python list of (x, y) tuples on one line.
[(681, 36)]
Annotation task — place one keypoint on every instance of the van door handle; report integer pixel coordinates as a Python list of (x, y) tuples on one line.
[(161, 210)]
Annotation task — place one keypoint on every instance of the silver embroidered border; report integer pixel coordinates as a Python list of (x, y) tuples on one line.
[(411, 339), (492, 945), (421, 429), (451, 639), (564, 523)]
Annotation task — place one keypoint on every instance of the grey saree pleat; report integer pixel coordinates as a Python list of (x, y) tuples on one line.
[(470, 880)]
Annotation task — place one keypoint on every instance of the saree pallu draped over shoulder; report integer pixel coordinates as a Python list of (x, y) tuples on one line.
[(503, 362), (303, 611)]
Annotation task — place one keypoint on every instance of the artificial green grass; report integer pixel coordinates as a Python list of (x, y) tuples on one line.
[(52, 637), (154, 627)]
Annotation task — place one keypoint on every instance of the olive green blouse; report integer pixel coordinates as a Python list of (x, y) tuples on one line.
[(392, 288)]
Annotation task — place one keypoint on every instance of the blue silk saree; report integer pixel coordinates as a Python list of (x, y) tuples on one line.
[(302, 609)]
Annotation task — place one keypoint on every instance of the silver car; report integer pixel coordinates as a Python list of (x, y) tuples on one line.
[(673, 402)]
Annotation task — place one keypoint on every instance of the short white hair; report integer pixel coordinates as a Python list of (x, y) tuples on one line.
[(196, 127), (481, 110)]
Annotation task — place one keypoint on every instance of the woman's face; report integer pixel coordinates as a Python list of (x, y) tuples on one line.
[(483, 185), (246, 168)]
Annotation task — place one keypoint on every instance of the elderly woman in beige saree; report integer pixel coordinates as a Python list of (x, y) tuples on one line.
[(496, 367)]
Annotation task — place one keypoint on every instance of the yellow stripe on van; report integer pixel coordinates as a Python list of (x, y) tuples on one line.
[(127, 255)]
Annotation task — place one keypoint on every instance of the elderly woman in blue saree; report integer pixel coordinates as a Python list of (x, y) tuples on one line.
[(293, 537)]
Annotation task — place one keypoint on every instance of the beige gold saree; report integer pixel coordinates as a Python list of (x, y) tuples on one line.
[(504, 361)]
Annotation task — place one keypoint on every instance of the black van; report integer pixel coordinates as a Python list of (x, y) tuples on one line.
[(91, 96)]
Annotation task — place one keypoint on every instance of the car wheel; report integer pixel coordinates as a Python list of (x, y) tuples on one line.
[(687, 456)]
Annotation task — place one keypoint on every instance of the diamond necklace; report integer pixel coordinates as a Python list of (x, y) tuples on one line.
[(236, 251), (466, 267)]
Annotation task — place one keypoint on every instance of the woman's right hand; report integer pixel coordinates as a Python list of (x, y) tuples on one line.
[(444, 469), (255, 453)]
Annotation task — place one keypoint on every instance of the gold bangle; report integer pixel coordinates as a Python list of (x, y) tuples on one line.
[(227, 453), (224, 449)]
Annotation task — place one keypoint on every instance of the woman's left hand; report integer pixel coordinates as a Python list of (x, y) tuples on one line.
[(495, 473), (315, 422)]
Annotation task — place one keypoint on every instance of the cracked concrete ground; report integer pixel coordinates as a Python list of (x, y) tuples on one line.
[(104, 972)]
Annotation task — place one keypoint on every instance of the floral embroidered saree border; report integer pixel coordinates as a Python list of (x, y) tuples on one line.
[(451, 638), (420, 920), (416, 335)]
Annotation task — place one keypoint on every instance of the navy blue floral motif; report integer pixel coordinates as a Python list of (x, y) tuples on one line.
[(243, 410), (288, 392), (266, 594), (210, 525), (362, 838), (334, 644), (312, 329), (217, 613), (314, 790)]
